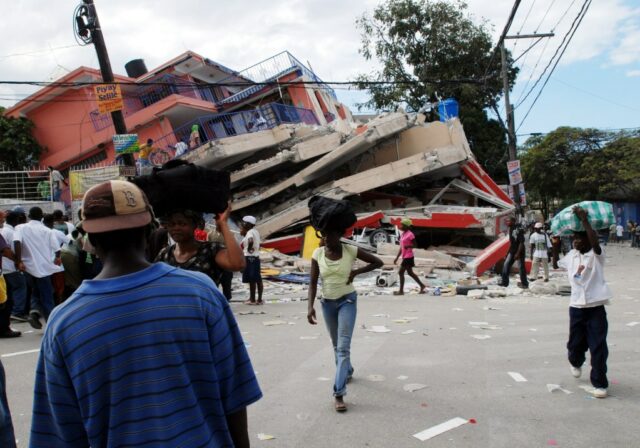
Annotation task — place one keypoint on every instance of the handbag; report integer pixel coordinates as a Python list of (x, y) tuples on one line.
[(182, 185)]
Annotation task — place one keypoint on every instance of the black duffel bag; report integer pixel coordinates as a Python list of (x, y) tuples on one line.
[(331, 214), (182, 185)]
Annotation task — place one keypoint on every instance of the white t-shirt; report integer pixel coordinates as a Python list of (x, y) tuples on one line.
[(590, 288), (540, 243), (56, 178), (251, 234), (8, 266), (39, 245), (181, 148), (619, 230)]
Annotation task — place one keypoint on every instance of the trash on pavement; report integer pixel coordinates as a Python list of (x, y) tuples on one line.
[(557, 388), (518, 378), (413, 387)]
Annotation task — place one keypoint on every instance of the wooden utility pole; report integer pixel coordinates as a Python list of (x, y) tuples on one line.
[(511, 127), (93, 26)]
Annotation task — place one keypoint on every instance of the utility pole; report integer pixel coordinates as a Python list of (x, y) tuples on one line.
[(90, 31), (511, 127)]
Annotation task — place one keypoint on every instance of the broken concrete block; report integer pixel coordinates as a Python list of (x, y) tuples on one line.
[(476, 294)]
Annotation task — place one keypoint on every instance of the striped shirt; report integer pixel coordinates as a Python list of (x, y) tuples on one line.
[(152, 359)]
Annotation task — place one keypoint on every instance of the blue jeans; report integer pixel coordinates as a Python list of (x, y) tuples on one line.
[(17, 291), (588, 330), (7, 437), (41, 294), (340, 318)]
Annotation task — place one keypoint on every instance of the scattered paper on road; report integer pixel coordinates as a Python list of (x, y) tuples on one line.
[(378, 329), (481, 336), (457, 309), (375, 377), (381, 315), (403, 377), (263, 436), (271, 323), (439, 429), (308, 338), (413, 387), (477, 324), (632, 324), (556, 387), (517, 377), (323, 378), (401, 321), (408, 331)]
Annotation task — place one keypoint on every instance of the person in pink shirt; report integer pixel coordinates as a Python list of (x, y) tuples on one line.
[(407, 242)]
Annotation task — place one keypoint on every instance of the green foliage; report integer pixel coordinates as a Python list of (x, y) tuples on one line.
[(18, 147), (572, 164), (429, 47), (613, 172)]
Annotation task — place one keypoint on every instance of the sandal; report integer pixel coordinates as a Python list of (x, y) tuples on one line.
[(259, 302), (249, 302)]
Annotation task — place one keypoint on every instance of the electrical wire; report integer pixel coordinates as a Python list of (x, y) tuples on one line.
[(30, 53), (545, 16), (583, 11), (551, 61), (526, 17)]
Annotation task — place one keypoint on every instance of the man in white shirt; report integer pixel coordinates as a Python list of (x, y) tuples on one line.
[(619, 233), (37, 252), (589, 294), (251, 247), (540, 245), (16, 281)]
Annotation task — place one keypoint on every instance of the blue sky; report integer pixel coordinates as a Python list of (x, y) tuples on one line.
[(596, 84)]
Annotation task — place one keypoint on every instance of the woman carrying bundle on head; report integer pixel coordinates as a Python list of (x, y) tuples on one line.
[(190, 254), (333, 263)]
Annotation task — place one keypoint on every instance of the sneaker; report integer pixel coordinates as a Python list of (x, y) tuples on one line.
[(576, 371), (599, 392), (34, 321)]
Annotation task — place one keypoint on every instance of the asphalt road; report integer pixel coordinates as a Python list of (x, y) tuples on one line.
[(463, 376)]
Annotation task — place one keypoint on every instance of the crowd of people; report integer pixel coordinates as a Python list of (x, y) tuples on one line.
[(143, 323)]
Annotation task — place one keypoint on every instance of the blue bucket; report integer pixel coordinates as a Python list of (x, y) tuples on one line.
[(448, 109)]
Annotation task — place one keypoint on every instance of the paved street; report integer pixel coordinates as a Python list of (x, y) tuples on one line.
[(464, 376)]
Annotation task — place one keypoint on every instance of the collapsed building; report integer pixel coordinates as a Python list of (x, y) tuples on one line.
[(394, 166)]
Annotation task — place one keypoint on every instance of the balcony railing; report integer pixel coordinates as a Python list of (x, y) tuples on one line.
[(213, 127), (146, 96), (269, 70)]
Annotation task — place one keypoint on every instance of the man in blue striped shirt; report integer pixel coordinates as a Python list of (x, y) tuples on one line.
[(143, 355)]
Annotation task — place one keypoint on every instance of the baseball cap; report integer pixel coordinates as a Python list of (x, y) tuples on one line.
[(538, 225), (249, 219), (115, 205)]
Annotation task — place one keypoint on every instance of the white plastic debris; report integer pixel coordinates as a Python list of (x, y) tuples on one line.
[(413, 387), (557, 388), (378, 329)]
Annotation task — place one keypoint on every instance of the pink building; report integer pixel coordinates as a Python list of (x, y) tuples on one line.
[(163, 104)]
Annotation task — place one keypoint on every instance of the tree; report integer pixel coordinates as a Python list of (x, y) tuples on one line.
[(612, 173), (18, 147), (573, 164), (430, 50)]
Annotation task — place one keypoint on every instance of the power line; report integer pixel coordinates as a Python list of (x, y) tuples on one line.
[(586, 6), (30, 53), (526, 17), (545, 15), (551, 61)]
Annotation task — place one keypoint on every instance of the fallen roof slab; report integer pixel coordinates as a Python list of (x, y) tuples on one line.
[(367, 180)]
